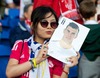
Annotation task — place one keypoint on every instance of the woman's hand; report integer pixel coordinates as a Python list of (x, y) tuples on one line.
[(42, 55), (78, 55), (74, 60)]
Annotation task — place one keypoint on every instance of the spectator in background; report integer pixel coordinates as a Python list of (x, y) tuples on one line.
[(89, 64), (17, 3), (13, 3), (67, 8), (95, 1), (23, 30), (97, 4), (10, 3)]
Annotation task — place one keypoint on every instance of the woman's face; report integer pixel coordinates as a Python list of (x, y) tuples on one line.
[(45, 32)]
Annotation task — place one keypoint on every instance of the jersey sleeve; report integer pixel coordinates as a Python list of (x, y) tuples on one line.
[(16, 50)]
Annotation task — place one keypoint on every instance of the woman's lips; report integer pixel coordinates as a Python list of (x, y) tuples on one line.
[(49, 32)]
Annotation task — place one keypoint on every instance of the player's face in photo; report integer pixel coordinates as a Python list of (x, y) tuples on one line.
[(70, 33)]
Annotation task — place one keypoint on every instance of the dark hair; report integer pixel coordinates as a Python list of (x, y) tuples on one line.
[(87, 9), (26, 7), (96, 3), (73, 25), (16, 2), (39, 13), (79, 1)]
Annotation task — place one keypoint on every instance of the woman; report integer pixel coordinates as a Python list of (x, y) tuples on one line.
[(30, 59)]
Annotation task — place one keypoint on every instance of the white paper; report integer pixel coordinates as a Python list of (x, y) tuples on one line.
[(62, 54)]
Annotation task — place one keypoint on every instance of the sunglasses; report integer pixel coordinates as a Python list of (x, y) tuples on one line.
[(44, 24)]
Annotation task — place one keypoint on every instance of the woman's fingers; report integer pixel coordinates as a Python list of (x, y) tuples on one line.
[(73, 60), (45, 49), (78, 55)]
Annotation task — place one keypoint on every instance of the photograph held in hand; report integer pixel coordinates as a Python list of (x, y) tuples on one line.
[(67, 40)]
